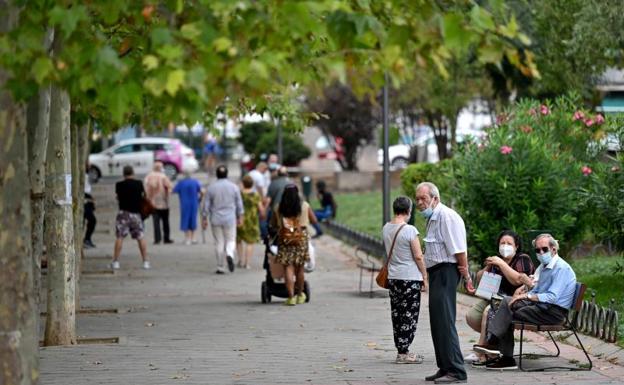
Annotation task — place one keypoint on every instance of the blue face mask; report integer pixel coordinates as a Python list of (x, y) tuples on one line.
[(545, 258), (427, 213)]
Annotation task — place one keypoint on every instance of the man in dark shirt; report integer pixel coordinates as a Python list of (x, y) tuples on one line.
[(130, 193)]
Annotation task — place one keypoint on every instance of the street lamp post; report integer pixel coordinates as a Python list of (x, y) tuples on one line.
[(386, 160)]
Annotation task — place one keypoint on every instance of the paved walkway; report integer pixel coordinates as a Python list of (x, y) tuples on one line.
[(181, 323)]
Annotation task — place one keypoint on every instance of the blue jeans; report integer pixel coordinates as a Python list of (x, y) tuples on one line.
[(323, 213)]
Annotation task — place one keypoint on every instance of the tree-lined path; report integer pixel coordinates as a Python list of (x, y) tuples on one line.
[(181, 323)]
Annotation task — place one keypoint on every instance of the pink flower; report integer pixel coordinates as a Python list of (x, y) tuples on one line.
[(578, 115), (544, 110), (589, 122), (599, 119), (586, 170), (500, 119), (532, 112), (526, 129), (505, 150)]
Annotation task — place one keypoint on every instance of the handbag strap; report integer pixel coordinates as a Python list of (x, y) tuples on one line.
[(392, 246)]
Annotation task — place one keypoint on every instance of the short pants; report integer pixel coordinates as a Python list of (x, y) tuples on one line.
[(127, 222)]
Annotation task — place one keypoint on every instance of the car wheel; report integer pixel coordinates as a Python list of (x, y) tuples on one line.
[(93, 174), (399, 163), (170, 170)]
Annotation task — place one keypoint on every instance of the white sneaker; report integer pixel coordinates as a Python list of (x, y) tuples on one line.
[(115, 265), (409, 358), (470, 358), (146, 265)]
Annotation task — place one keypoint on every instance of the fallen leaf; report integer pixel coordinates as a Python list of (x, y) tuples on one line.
[(371, 344)]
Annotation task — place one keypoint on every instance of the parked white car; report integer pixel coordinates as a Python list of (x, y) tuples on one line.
[(399, 154), (140, 153)]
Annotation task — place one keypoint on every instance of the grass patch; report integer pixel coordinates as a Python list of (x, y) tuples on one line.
[(364, 211), (598, 273)]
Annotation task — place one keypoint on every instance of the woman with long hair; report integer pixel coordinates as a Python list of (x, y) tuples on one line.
[(291, 220)]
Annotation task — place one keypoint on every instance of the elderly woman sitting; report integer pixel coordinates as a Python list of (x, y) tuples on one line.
[(515, 268)]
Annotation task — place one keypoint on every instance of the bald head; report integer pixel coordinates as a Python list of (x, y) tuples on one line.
[(158, 166)]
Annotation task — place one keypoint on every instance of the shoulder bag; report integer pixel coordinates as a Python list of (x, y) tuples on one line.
[(382, 277)]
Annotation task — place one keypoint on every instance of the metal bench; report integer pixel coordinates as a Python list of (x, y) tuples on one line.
[(568, 325), (368, 264)]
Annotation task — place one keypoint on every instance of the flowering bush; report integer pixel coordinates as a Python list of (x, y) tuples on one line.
[(529, 174), (604, 196)]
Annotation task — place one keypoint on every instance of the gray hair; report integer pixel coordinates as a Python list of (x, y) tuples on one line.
[(552, 242), (433, 189)]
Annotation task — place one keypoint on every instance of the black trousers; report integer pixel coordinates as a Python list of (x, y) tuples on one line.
[(89, 218), (524, 310), (405, 308), (443, 281), (161, 215)]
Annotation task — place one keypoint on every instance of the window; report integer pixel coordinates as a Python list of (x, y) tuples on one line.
[(124, 149), (152, 146)]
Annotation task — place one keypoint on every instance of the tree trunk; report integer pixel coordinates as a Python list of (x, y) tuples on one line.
[(19, 363), (59, 231), (37, 123), (77, 208)]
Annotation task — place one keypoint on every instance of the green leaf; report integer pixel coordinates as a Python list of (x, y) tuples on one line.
[(68, 18), (222, 44), (455, 35), (481, 18), (41, 68), (170, 52), (150, 62), (175, 80), (190, 31), (259, 68)]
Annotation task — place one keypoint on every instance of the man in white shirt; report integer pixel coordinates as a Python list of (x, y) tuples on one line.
[(260, 182), (446, 261)]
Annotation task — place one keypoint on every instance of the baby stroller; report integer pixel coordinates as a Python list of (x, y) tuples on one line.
[(275, 285)]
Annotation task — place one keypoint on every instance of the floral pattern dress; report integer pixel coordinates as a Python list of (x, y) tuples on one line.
[(249, 232)]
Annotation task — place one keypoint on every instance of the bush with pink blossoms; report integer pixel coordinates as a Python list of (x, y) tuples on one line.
[(530, 174)]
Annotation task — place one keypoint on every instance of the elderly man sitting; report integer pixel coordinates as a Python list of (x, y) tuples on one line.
[(547, 303)]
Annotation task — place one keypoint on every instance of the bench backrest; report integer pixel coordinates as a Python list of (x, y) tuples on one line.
[(578, 296)]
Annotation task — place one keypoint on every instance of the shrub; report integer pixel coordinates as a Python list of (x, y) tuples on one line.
[(528, 174), (440, 174), (605, 196), (261, 138), (293, 148)]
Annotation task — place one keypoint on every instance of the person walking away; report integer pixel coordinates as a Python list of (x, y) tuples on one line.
[(129, 193), (276, 188), (223, 206), (547, 303), (514, 267), (189, 192), (328, 206), (446, 261), (291, 220), (89, 214), (407, 277), (210, 152), (261, 185), (158, 189), (248, 233)]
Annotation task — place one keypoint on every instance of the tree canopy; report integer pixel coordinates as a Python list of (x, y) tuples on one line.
[(177, 60)]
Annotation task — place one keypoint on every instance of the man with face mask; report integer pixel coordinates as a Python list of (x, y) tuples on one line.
[(547, 303), (446, 261)]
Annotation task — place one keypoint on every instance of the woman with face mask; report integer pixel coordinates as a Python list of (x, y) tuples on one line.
[(515, 268)]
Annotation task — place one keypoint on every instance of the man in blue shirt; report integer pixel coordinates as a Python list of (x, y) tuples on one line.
[(546, 304)]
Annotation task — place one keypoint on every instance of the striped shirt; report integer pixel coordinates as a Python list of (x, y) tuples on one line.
[(445, 236)]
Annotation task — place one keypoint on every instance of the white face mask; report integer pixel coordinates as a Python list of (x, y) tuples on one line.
[(506, 250)]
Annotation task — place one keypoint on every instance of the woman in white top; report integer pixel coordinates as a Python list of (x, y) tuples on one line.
[(407, 277)]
